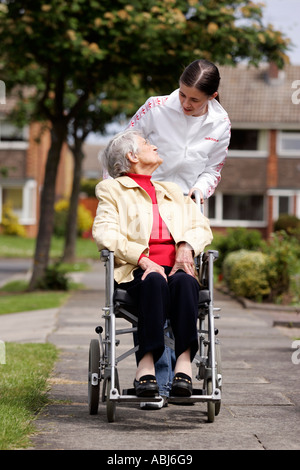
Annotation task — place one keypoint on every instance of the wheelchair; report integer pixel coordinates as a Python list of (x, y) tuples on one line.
[(103, 360)]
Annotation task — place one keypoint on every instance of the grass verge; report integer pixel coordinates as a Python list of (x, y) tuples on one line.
[(31, 301), (18, 247), (23, 390), (26, 301)]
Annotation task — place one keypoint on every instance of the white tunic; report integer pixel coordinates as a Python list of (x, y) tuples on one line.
[(193, 149)]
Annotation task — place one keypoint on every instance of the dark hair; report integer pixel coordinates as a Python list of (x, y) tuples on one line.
[(203, 75)]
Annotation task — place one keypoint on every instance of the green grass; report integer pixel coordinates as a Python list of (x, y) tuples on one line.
[(11, 246), (23, 376), (23, 387), (18, 247), (11, 303), (25, 301)]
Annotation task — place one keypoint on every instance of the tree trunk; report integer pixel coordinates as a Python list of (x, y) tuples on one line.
[(71, 228), (46, 223)]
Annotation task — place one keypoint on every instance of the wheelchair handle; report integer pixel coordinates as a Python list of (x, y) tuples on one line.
[(197, 198)]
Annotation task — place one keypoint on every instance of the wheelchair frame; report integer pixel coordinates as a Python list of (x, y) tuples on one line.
[(102, 352)]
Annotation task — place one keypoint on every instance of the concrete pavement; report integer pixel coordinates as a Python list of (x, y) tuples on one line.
[(261, 384)]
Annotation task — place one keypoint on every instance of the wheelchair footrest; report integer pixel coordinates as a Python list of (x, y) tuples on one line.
[(198, 395), (128, 394)]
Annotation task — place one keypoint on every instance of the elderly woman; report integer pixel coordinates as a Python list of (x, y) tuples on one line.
[(155, 232)]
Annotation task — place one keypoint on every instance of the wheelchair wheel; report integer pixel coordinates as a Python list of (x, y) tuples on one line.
[(110, 405), (93, 387), (219, 372), (211, 407)]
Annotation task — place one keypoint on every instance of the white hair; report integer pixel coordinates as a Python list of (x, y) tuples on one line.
[(114, 157)]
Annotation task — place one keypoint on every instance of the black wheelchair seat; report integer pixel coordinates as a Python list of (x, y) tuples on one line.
[(121, 296)]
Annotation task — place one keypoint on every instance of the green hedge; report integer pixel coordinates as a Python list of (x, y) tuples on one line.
[(236, 239), (10, 222), (270, 273), (245, 274), (287, 222)]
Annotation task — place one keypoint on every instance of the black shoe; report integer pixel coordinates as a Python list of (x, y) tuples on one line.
[(146, 386), (182, 385)]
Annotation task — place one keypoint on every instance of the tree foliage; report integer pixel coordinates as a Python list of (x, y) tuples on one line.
[(69, 51), (88, 41)]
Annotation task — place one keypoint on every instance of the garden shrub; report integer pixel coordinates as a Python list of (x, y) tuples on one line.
[(88, 186), (237, 239), (84, 218), (245, 273), (10, 222), (287, 222), (54, 279), (270, 273), (283, 252)]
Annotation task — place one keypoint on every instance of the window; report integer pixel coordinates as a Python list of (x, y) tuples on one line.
[(234, 210), (12, 133), (212, 207), (241, 207), (14, 198), (289, 143), (244, 139), (248, 143), (283, 204), (285, 201), (22, 200)]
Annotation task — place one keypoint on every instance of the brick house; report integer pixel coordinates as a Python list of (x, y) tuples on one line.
[(261, 176), (23, 154), (260, 179)]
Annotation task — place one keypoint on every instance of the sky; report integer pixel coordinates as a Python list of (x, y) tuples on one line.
[(284, 15)]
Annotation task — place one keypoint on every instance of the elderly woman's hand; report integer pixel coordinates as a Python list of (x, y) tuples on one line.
[(151, 267), (184, 260)]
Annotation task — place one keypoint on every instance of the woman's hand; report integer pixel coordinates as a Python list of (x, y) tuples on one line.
[(184, 260), (193, 190), (151, 267)]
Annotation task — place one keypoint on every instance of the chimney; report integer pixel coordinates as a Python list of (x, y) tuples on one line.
[(274, 76)]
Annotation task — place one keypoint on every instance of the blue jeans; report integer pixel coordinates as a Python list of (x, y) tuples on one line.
[(164, 370)]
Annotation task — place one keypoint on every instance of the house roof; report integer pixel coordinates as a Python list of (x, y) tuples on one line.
[(256, 96)]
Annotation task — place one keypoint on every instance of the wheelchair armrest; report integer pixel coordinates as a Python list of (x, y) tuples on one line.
[(104, 254), (204, 297), (122, 296), (205, 255)]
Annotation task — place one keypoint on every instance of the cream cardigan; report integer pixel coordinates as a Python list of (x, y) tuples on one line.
[(124, 221)]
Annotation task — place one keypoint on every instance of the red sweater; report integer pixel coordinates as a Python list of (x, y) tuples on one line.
[(161, 243)]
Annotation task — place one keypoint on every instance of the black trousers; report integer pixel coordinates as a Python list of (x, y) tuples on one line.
[(157, 300)]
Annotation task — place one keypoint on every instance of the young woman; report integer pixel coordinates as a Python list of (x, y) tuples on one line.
[(190, 129)]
